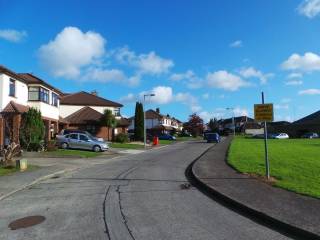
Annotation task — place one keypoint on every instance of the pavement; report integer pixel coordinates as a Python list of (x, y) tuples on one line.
[(49, 167), (289, 212), (142, 196)]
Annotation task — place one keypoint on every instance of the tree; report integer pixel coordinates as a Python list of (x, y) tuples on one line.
[(139, 122), (213, 125), (194, 125), (32, 130), (108, 120)]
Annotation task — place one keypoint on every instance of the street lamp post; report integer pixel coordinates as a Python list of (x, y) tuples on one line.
[(233, 120), (144, 118)]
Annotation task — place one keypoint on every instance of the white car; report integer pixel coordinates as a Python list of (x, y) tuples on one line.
[(281, 136)]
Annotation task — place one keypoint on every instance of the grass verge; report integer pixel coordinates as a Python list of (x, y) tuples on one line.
[(10, 170), (71, 153), (127, 145), (294, 163)]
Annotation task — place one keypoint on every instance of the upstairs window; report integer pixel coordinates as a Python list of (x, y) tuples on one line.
[(44, 95), (12, 88), (54, 99), (34, 94), (117, 112)]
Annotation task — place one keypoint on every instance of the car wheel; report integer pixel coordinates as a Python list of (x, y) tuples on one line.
[(64, 145), (97, 149)]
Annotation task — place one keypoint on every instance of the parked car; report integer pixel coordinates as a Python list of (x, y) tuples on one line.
[(213, 137), (310, 135), (81, 141), (281, 136), (166, 137), (68, 131)]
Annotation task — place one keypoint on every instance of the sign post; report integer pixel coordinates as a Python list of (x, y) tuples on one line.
[(264, 113)]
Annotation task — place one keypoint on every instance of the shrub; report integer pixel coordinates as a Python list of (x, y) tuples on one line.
[(32, 130), (52, 146), (122, 138)]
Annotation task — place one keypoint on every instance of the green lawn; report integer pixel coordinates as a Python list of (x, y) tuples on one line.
[(127, 145), (180, 139), (9, 170), (71, 152), (295, 163)]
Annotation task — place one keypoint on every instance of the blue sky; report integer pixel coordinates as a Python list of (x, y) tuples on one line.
[(196, 56)]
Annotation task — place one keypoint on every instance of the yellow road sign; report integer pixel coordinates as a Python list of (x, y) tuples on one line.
[(263, 112)]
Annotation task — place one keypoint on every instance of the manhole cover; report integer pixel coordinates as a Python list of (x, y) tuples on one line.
[(26, 222)]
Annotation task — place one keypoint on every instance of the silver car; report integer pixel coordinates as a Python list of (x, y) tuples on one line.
[(81, 141)]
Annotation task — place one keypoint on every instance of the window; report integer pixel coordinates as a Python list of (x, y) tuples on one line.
[(54, 99), (117, 112), (73, 136), (34, 94), (12, 88), (84, 138), (44, 95)]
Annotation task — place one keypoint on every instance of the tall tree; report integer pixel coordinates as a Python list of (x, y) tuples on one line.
[(213, 125), (194, 125), (32, 130), (108, 120), (138, 122)]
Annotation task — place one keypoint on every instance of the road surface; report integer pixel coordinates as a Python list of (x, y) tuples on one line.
[(132, 197)]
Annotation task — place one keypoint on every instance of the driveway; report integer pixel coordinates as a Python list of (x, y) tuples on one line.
[(140, 196)]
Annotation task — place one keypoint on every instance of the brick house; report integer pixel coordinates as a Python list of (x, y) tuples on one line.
[(157, 123), (84, 110), (18, 92)]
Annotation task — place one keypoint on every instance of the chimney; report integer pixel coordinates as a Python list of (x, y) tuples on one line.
[(94, 92), (158, 110)]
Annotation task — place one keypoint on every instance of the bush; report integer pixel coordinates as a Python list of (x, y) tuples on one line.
[(52, 146), (122, 138)]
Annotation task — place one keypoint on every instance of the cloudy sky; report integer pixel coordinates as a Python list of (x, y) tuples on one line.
[(196, 56)]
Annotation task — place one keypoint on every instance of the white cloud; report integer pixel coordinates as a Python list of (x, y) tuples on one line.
[(308, 62), (294, 75), (251, 72), (238, 111), (192, 81), (128, 98), (236, 44), (181, 76), (311, 91), (309, 8), (149, 63), (163, 95), (294, 82), (206, 96), (281, 106), (13, 35), (70, 51), (104, 75), (224, 80), (189, 100)]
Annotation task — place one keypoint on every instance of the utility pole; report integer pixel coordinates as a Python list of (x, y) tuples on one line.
[(144, 118), (266, 144), (233, 120)]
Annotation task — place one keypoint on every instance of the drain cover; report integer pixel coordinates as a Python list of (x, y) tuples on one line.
[(26, 222)]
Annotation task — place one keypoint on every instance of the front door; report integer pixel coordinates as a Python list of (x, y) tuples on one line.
[(73, 140)]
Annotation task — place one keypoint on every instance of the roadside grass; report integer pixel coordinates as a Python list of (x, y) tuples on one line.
[(126, 145), (295, 163), (166, 142), (180, 139), (71, 153), (10, 170)]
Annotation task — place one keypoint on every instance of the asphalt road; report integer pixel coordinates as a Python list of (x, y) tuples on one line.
[(131, 197)]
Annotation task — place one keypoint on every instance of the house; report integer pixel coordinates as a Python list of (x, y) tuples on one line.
[(310, 123), (83, 110), (252, 128), (157, 123), (237, 122), (18, 92)]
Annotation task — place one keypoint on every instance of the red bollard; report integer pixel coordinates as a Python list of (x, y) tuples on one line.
[(155, 141)]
